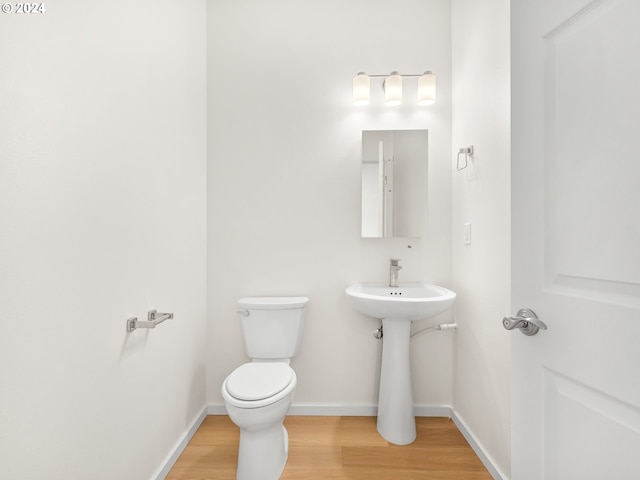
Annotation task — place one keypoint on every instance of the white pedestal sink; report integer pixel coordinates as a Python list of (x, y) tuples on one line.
[(398, 307)]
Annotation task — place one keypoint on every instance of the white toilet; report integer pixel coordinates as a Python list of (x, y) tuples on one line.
[(257, 395)]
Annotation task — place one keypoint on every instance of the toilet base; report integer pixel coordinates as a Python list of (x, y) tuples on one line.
[(263, 454)]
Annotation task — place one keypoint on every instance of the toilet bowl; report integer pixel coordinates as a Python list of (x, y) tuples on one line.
[(258, 394), (257, 397)]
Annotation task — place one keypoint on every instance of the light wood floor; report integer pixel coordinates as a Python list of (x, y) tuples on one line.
[(338, 448)]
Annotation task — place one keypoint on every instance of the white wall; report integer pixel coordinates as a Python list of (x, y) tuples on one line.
[(481, 196), (102, 214), (284, 181)]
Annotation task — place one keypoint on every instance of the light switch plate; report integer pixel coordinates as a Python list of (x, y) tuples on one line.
[(467, 234)]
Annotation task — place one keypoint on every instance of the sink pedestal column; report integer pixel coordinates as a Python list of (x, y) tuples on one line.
[(396, 420)]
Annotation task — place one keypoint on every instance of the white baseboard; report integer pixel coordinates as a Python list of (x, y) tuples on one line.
[(181, 445), (363, 410), (484, 457), (432, 410), (315, 409), (216, 409), (345, 410), (333, 410)]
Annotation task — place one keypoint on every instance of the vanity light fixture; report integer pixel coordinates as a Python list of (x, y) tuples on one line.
[(361, 89), (427, 89), (392, 86)]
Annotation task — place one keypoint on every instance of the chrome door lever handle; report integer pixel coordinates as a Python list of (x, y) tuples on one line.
[(526, 320)]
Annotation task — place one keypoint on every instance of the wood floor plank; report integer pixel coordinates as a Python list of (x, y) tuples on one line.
[(315, 458), (437, 431), (401, 458), (373, 474), (338, 448), (205, 456), (308, 431), (216, 430), (360, 432), (178, 473)]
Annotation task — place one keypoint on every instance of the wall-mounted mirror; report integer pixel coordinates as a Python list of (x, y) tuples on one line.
[(394, 182)]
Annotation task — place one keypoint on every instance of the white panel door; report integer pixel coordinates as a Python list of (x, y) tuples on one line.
[(576, 238)]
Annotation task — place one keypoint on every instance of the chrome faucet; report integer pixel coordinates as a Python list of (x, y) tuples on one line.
[(393, 272)]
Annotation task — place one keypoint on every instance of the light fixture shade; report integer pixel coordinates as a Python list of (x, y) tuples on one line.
[(393, 89), (427, 89), (361, 89)]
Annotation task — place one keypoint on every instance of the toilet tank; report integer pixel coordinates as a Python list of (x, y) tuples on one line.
[(272, 326)]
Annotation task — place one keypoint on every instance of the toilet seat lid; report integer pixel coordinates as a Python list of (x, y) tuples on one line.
[(257, 381)]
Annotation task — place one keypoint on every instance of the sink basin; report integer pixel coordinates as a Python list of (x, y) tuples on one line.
[(409, 301), (398, 307)]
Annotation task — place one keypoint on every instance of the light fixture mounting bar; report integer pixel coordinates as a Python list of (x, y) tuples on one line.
[(401, 74)]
